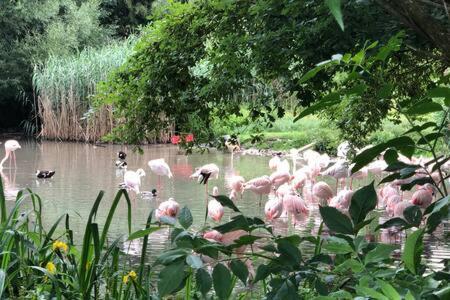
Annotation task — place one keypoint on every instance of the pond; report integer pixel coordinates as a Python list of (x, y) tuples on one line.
[(82, 170)]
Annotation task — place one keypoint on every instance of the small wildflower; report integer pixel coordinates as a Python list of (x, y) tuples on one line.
[(131, 275), (51, 268), (60, 246)]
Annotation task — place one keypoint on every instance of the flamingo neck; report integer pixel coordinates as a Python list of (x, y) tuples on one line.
[(5, 158)]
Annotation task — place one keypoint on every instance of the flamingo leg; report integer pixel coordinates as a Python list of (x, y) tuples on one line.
[(260, 200), (337, 183), (14, 156), (206, 201)]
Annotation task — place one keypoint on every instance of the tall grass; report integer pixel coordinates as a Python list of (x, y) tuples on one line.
[(63, 86)]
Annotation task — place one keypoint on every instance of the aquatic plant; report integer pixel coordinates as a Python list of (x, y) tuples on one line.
[(63, 85)]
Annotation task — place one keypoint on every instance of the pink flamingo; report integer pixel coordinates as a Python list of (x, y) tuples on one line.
[(160, 168), (169, 208), (299, 179), (388, 191), (400, 208), (339, 171), (342, 200), (280, 177), (226, 238), (283, 190), (423, 196), (10, 147), (236, 184), (295, 206), (323, 191), (204, 173), (391, 203), (274, 162), (308, 193), (360, 174), (260, 186), (273, 208), (215, 209)]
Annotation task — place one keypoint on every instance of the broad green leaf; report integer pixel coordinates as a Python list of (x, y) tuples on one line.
[(423, 108), (393, 222), (404, 144), (418, 181), (379, 253), (141, 233), (170, 278), (363, 201), (239, 222), (369, 292), (185, 217), (409, 296), (440, 92), (170, 256), (337, 245), (325, 102), (413, 250), (389, 290), (261, 273), (225, 201), (335, 220), (240, 270), (287, 291), (422, 127), (222, 281), (289, 252), (429, 138), (352, 264), (311, 73), (359, 57), (437, 206), (413, 215), (203, 281), (341, 295), (335, 9), (194, 261)]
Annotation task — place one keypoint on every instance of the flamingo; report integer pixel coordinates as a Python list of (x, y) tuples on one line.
[(160, 168), (391, 203), (236, 184), (260, 186), (280, 177), (299, 179), (283, 190), (215, 210), (423, 196), (294, 205), (226, 238), (169, 208), (342, 199), (400, 208), (388, 191), (343, 149), (10, 147), (203, 174), (274, 162), (132, 179), (273, 208), (323, 191), (283, 166), (339, 171)]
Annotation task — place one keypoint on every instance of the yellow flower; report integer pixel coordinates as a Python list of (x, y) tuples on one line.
[(51, 268), (58, 245), (131, 275)]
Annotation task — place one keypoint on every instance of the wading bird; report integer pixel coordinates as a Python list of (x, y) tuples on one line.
[(260, 186), (132, 179), (160, 168), (10, 147)]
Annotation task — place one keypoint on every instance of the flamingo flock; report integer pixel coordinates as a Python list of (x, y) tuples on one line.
[(290, 194)]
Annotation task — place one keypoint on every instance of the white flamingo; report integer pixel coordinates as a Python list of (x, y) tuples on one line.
[(132, 179), (10, 147), (160, 168)]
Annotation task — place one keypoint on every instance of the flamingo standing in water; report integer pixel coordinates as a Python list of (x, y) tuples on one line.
[(236, 184), (273, 208), (323, 192), (260, 186), (132, 179), (295, 205), (203, 174), (160, 168), (274, 162), (280, 177), (215, 209), (10, 147), (339, 171), (423, 196)]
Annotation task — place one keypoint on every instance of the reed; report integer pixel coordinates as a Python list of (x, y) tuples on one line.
[(63, 86)]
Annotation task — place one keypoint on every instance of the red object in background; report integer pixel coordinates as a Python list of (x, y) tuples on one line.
[(175, 139), (189, 138)]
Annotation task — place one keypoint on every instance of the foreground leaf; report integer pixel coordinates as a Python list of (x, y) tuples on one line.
[(203, 281), (170, 278), (222, 281), (225, 201), (240, 270), (335, 220), (379, 253), (185, 217), (363, 201), (413, 251)]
